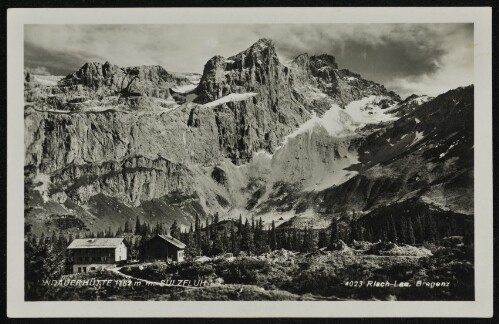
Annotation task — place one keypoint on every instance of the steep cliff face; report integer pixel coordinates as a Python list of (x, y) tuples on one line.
[(132, 180), (54, 140), (267, 112)]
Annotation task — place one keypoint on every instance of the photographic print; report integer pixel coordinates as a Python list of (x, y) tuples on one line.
[(249, 162)]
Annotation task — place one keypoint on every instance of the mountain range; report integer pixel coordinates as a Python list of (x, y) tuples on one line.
[(298, 143)]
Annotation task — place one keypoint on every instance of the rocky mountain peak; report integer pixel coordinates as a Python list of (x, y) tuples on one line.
[(257, 92), (323, 60), (248, 71), (263, 49), (91, 74), (263, 43), (301, 60), (412, 96)]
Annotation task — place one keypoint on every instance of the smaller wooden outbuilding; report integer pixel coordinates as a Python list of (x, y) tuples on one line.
[(162, 248)]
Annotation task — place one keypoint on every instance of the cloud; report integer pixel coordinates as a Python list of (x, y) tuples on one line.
[(39, 70), (453, 68), (421, 58)]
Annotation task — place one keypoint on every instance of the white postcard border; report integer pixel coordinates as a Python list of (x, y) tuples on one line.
[(481, 307)]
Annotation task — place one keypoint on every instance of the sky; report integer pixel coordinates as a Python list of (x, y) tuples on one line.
[(407, 58)]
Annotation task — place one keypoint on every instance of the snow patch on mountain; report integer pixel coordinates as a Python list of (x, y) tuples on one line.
[(368, 111), (44, 183), (262, 153), (47, 80), (340, 122), (418, 136), (186, 88), (421, 100), (336, 178), (233, 97), (335, 121)]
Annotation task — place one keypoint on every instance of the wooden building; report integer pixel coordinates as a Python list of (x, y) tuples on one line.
[(95, 254), (162, 248)]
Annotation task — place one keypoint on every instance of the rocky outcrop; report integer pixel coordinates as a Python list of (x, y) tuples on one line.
[(409, 104), (97, 86), (132, 180), (219, 175), (343, 86), (107, 78)]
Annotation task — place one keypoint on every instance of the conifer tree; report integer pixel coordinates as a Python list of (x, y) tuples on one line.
[(295, 245), (225, 241), (61, 242), (360, 231), (234, 241), (411, 239), (216, 220), (175, 230), (385, 230), (393, 236), (208, 228), (197, 230), (273, 238), (218, 247), (127, 227), (240, 224), (323, 242), (247, 243), (468, 236), (53, 239), (334, 231), (308, 241), (354, 235), (138, 227), (431, 230)]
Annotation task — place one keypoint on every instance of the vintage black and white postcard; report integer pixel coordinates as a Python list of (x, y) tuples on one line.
[(250, 162)]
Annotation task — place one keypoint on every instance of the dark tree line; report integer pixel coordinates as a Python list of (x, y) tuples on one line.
[(414, 227), (46, 258), (250, 237)]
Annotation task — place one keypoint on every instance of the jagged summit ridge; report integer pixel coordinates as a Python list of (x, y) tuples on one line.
[(262, 45), (341, 85), (148, 80), (324, 60)]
